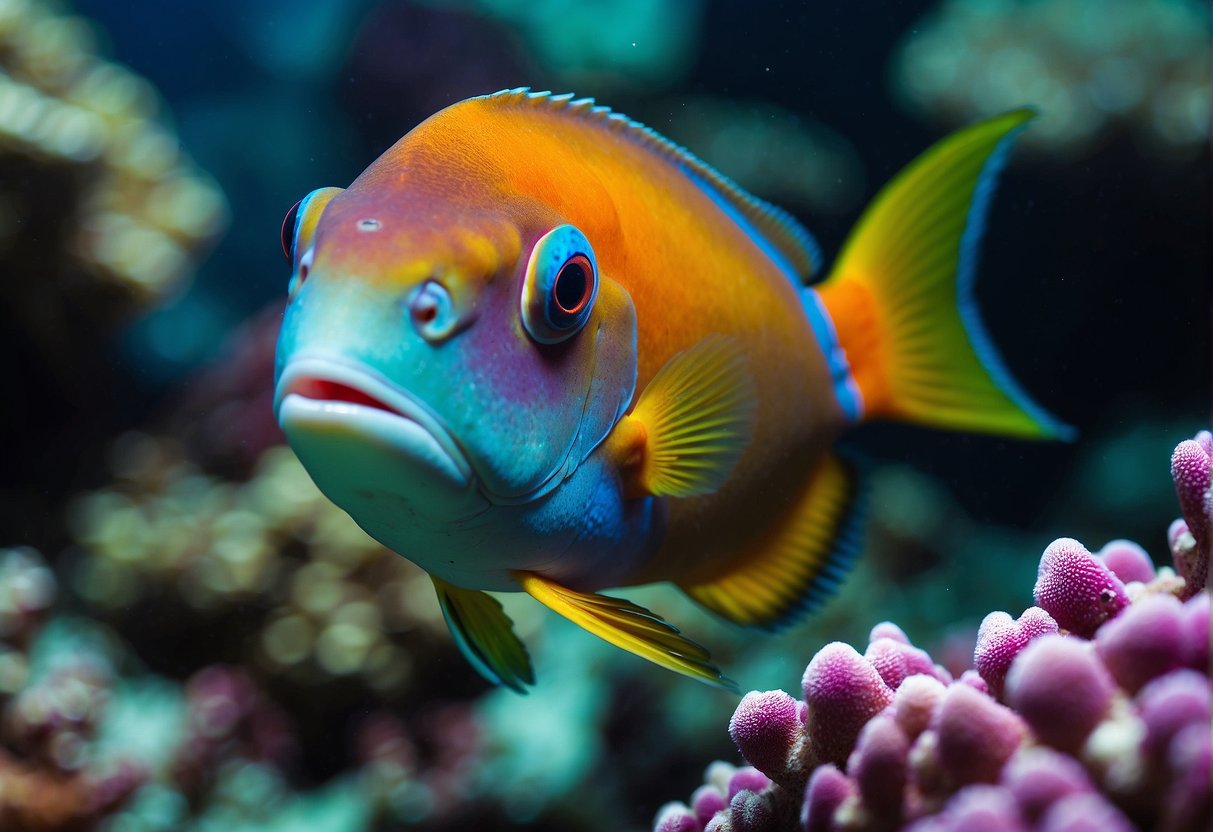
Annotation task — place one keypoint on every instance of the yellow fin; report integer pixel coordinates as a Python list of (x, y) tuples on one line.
[(629, 626), (901, 294), (697, 413), (798, 564), (485, 635)]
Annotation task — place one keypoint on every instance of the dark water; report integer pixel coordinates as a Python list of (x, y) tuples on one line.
[(136, 419)]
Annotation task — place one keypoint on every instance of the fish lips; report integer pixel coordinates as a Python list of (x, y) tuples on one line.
[(365, 441)]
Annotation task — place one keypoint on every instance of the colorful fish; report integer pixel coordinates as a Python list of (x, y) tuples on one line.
[(536, 346)]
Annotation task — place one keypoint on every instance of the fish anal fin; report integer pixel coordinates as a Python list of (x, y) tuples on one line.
[(628, 626), (697, 415), (799, 562), (485, 635)]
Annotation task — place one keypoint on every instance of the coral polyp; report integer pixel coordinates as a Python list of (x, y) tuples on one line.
[(1089, 710)]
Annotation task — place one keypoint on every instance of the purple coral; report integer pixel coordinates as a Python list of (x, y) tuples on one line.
[(766, 728), (1091, 711), (1190, 469), (879, 766), (1128, 561), (1038, 777), (1076, 588), (843, 691), (1059, 686), (1147, 641), (828, 790), (976, 735), (1000, 640)]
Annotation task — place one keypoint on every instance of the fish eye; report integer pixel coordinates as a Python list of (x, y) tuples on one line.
[(560, 285), (573, 282), (299, 226), (288, 232)]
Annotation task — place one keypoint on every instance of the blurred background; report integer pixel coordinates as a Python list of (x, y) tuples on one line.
[(191, 638)]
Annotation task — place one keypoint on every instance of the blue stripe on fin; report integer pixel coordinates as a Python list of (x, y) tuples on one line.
[(846, 391), (970, 245)]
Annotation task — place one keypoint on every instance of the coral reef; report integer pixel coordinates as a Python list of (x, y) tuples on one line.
[(332, 604), (87, 163), (1089, 65), (62, 763), (1091, 710)]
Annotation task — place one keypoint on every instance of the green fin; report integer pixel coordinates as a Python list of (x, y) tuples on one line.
[(697, 413), (901, 294), (788, 243), (629, 626), (485, 635), (800, 561)]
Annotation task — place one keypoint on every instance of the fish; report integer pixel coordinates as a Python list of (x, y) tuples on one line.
[(537, 347)]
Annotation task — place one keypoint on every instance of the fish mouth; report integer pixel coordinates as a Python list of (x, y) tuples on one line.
[(320, 394)]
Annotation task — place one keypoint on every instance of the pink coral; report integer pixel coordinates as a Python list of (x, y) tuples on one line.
[(914, 703), (843, 691), (976, 735), (1190, 470), (1146, 641), (827, 791), (1038, 777), (1091, 709), (878, 766), (896, 660), (1000, 640), (1076, 588), (1128, 561), (1084, 813), (766, 727), (1170, 704), (1059, 686)]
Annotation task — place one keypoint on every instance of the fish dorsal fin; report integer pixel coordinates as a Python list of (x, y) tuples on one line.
[(628, 626), (485, 635), (777, 233)]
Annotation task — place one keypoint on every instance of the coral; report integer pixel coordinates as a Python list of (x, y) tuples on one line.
[(337, 604), (1189, 538), (1089, 65), (1090, 710), (54, 775), (1076, 588), (100, 213)]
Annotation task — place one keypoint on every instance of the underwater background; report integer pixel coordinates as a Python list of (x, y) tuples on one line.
[(192, 638)]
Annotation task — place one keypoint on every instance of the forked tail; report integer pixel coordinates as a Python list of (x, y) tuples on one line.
[(901, 295)]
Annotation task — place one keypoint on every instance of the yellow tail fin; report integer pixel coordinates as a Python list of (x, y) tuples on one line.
[(901, 298)]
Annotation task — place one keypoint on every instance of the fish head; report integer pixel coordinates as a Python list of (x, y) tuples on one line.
[(444, 356)]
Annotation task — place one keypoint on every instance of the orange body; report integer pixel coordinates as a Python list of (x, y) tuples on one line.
[(691, 270)]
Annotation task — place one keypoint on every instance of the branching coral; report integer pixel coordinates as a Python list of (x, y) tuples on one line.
[(1091, 710)]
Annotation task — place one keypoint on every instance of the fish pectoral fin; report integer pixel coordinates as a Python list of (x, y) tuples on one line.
[(485, 635), (800, 560), (628, 626), (697, 416)]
